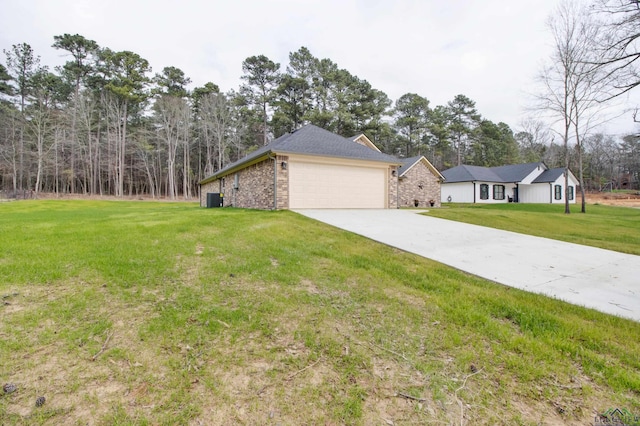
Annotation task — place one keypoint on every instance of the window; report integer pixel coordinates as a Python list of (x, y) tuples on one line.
[(498, 192), (557, 192), (484, 191), (571, 192)]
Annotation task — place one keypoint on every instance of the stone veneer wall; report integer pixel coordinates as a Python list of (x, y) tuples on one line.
[(410, 191), (393, 187), (282, 186), (255, 186), (213, 186)]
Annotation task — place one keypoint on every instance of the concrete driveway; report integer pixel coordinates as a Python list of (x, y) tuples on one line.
[(600, 279)]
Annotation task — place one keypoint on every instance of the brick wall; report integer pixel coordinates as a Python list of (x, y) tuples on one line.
[(282, 189), (409, 187), (393, 187), (255, 186), (213, 186)]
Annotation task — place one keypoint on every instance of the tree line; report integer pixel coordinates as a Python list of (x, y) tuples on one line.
[(103, 123)]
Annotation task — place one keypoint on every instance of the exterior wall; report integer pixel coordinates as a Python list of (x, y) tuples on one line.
[(508, 192), (409, 187), (544, 192), (460, 192), (463, 192), (536, 193), (213, 186), (560, 181), (255, 187), (392, 187), (282, 182)]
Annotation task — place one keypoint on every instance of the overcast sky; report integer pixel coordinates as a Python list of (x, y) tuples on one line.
[(488, 50)]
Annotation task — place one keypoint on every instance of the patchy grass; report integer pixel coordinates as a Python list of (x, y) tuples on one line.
[(607, 227), (161, 313)]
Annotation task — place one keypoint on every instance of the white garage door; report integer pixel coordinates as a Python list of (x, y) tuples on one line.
[(319, 186)]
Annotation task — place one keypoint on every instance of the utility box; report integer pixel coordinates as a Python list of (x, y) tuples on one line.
[(215, 199)]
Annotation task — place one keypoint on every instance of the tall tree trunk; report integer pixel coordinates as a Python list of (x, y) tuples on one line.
[(123, 143), (57, 173), (185, 170), (264, 123), (583, 206)]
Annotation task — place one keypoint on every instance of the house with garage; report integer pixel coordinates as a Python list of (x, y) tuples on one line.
[(521, 183), (311, 168)]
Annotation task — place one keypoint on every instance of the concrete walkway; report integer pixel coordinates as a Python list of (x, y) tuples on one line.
[(600, 279)]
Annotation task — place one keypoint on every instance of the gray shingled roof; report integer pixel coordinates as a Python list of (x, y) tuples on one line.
[(313, 140), (515, 172), (465, 173), (407, 163), (511, 173), (550, 175)]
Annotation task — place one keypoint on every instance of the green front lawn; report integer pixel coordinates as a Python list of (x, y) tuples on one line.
[(612, 228), (135, 313)]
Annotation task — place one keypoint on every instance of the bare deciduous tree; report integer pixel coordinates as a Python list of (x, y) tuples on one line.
[(173, 118), (618, 43), (572, 85), (216, 119)]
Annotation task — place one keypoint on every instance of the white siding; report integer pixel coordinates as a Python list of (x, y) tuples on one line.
[(535, 193), (545, 192), (560, 181), (508, 192), (460, 192)]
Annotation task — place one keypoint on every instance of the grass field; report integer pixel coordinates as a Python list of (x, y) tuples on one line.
[(135, 313), (612, 228)]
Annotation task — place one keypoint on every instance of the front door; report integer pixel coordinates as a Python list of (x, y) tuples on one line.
[(515, 195)]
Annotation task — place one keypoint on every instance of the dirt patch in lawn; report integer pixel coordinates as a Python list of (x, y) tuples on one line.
[(614, 199)]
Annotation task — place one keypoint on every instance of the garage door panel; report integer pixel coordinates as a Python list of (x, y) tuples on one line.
[(315, 185)]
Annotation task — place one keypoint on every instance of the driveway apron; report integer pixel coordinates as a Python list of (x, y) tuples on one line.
[(604, 280)]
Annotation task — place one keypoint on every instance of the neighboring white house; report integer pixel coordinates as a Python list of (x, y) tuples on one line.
[(521, 183)]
